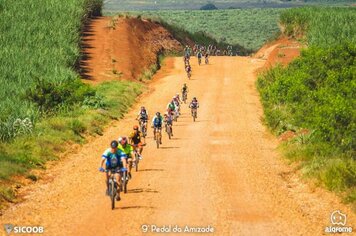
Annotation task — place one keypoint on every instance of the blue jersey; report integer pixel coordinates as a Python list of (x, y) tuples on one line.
[(157, 122), (113, 160)]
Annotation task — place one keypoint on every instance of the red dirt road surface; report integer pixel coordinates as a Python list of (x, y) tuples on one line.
[(221, 171)]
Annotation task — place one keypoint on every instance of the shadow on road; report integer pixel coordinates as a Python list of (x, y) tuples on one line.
[(133, 207), (151, 170), (169, 147), (141, 190)]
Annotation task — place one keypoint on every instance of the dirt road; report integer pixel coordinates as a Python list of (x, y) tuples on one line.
[(222, 171)]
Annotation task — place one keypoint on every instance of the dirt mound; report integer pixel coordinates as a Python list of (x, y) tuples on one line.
[(282, 51), (123, 48)]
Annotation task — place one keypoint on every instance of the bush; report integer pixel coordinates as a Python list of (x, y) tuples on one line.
[(316, 93), (209, 6), (49, 96), (77, 126)]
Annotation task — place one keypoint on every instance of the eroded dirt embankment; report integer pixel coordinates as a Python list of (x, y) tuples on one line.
[(123, 48), (281, 51)]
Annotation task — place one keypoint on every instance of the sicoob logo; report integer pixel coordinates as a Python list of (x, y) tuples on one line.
[(337, 218)]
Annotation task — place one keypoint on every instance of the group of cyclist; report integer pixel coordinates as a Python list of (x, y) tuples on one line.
[(122, 153), (213, 50)]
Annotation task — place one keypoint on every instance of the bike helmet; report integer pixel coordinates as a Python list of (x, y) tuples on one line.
[(123, 140), (194, 98), (143, 108), (135, 127), (114, 144)]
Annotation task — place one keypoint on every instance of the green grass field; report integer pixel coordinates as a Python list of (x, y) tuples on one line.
[(316, 92), (129, 5), (44, 105), (250, 28)]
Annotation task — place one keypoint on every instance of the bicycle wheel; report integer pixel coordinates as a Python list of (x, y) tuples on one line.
[(157, 139), (125, 181), (113, 193), (169, 132)]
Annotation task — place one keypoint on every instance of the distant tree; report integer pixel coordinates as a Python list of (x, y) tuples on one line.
[(209, 6)]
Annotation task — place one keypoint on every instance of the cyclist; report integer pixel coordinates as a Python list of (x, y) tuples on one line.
[(188, 69), (142, 116), (171, 107), (129, 152), (187, 52), (157, 125), (176, 100), (168, 120), (184, 90), (207, 57), (114, 160), (136, 140), (199, 55), (194, 104)]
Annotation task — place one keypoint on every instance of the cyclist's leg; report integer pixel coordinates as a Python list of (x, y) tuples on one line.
[(118, 176), (140, 148), (129, 163)]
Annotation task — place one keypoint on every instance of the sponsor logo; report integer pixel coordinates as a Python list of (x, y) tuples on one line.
[(338, 221)]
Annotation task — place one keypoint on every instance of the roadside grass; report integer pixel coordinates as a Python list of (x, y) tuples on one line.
[(38, 48), (53, 135), (314, 97)]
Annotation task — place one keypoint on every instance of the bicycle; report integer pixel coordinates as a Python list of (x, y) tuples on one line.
[(194, 113), (143, 128), (175, 116), (184, 96), (169, 130), (112, 191), (189, 74), (158, 136), (199, 61), (206, 60), (137, 157), (124, 180)]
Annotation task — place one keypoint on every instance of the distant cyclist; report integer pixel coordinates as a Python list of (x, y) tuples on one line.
[(188, 69), (199, 55), (207, 57), (137, 140), (114, 160), (184, 91), (187, 52), (168, 120), (142, 116), (194, 104), (157, 124), (126, 148), (171, 107), (176, 100)]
